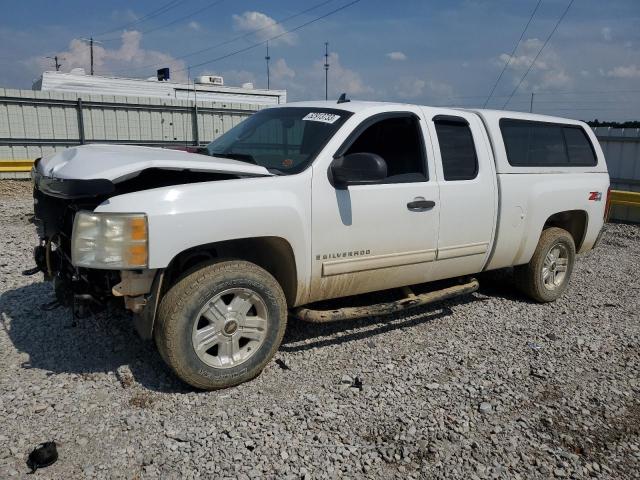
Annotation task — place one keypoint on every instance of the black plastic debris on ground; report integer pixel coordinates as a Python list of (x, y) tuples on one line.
[(42, 456), (357, 383), (282, 365)]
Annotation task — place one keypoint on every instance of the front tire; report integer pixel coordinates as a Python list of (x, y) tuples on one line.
[(546, 277), (221, 324)]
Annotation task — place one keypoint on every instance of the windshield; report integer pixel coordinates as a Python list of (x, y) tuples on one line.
[(285, 140)]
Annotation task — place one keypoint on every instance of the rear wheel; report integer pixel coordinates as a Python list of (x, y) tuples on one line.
[(546, 276), (221, 324)]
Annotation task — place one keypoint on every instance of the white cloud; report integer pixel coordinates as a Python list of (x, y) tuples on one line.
[(630, 71), (554, 79), (530, 48), (606, 34), (411, 87), (264, 27), (548, 71), (193, 25), (307, 82), (398, 56), (342, 79), (281, 76), (238, 77), (116, 61), (280, 70)]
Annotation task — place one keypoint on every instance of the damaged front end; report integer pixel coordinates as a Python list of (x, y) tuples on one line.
[(58, 205), (98, 259)]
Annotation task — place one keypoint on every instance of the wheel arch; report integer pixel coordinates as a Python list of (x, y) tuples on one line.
[(573, 221), (274, 254)]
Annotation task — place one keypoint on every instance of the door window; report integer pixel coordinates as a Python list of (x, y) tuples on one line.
[(457, 150), (398, 140)]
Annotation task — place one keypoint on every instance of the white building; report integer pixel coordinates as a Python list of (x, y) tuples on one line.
[(207, 88)]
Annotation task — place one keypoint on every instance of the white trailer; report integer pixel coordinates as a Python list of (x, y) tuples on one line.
[(206, 88)]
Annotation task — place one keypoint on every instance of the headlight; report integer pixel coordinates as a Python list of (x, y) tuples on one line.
[(110, 240)]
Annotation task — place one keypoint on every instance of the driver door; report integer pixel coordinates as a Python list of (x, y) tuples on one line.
[(373, 237)]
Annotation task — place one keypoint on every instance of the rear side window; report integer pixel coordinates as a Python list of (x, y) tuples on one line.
[(579, 147), (540, 144), (458, 152)]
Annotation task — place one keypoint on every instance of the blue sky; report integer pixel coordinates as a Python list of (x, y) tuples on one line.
[(430, 52)]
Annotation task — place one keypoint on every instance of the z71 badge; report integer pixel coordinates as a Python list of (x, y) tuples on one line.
[(595, 196)]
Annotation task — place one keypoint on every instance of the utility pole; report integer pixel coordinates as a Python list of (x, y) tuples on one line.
[(56, 63), (326, 70), (531, 105), (91, 41), (267, 58)]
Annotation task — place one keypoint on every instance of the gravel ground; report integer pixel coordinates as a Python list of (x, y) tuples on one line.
[(488, 386)]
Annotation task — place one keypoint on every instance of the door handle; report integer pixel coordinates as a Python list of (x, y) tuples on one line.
[(420, 205)]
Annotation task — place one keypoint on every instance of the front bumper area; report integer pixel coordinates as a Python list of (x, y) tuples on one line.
[(81, 288), (86, 290)]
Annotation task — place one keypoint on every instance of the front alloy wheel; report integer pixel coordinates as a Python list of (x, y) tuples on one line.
[(221, 324), (230, 328)]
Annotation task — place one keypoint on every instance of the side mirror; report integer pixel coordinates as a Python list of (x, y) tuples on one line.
[(357, 169)]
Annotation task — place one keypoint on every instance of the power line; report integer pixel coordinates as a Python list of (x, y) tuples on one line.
[(578, 101), (538, 54), (513, 52), (547, 93), (173, 22), (275, 37), (592, 109), (574, 101), (593, 92), (152, 14), (234, 39)]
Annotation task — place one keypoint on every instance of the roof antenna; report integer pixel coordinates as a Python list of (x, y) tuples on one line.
[(343, 98)]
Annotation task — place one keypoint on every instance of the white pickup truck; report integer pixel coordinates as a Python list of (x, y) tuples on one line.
[(313, 201)]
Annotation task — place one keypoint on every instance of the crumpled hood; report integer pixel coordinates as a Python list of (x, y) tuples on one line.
[(119, 162)]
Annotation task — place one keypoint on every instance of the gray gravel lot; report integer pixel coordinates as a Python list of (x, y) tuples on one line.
[(488, 386)]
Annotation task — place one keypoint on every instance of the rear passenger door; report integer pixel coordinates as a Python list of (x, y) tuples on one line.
[(468, 197)]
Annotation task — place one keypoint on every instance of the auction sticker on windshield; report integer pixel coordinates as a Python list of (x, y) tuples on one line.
[(321, 117)]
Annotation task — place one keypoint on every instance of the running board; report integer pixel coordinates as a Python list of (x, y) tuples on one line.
[(410, 301)]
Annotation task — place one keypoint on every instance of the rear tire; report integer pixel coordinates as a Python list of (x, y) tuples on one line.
[(221, 324), (546, 276)]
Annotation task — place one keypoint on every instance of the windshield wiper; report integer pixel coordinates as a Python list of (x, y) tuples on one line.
[(243, 157)]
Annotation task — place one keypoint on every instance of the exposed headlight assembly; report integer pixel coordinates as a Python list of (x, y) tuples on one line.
[(110, 240)]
